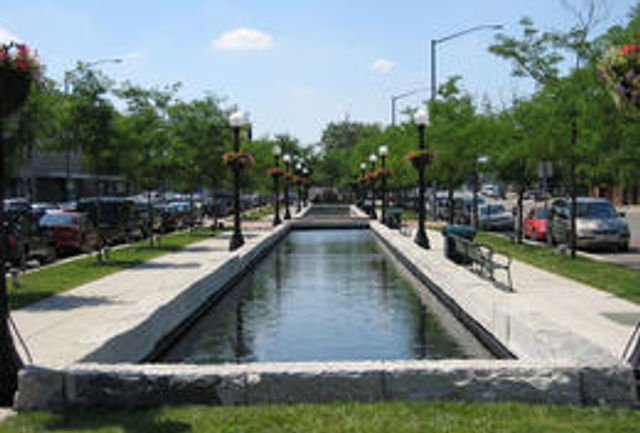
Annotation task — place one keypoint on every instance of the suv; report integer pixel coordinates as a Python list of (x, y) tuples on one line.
[(598, 225), (119, 221)]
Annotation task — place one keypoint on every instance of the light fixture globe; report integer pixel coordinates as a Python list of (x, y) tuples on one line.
[(421, 117), (363, 166), (373, 158), (238, 119), (383, 150), (286, 158), (277, 150)]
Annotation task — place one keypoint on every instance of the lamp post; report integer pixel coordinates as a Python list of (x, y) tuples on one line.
[(287, 183), (435, 42), (362, 187), (237, 120), (67, 89), (305, 187), (383, 151), (421, 119), (299, 184), (372, 159), (434, 83), (277, 151), (395, 98)]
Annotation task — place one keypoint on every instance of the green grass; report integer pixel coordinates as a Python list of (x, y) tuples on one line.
[(258, 213), (396, 417), (59, 278), (616, 279)]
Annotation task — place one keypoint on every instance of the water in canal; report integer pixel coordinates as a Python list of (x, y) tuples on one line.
[(326, 296)]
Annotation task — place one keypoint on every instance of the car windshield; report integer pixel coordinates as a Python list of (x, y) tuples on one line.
[(541, 213), (58, 219), (596, 210), (491, 209)]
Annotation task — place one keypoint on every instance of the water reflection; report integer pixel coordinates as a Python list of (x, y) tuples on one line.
[(325, 295)]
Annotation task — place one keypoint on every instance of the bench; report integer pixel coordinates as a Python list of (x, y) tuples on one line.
[(482, 258), (394, 217)]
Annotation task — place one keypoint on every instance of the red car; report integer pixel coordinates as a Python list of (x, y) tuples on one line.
[(72, 231), (535, 225)]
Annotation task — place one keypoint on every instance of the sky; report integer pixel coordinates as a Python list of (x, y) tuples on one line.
[(293, 65)]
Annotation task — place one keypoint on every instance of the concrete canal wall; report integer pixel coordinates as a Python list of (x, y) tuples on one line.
[(553, 365)]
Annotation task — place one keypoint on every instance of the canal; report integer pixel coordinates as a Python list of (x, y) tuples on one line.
[(329, 295)]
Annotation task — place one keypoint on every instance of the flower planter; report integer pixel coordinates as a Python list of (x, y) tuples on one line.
[(14, 89), (420, 159)]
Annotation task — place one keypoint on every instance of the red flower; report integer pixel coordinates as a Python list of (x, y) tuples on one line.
[(627, 49), (22, 65)]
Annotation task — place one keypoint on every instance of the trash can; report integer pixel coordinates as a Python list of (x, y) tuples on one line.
[(464, 231)]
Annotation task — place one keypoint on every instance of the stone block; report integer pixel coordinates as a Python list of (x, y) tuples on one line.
[(314, 383), (612, 385), (142, 386), (39, 388)]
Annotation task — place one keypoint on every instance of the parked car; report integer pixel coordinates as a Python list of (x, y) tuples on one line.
[(118, 219), (494, 216), (598, 225), (149, 217), (71, 231), (26, 240), (39, 209), (535, 224)]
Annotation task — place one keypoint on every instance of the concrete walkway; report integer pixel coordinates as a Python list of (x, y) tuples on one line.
[(598, 316), (69, 327)]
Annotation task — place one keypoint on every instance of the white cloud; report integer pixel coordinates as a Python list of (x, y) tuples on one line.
[(383, 66), (132, 56), (243, 39), (6, 36)]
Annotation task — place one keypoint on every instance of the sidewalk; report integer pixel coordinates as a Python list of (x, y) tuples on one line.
[(598, 316)]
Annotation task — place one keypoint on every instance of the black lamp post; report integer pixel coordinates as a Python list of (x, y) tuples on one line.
[(299, 184), (287, 183), (362, 186), (383, 151), (421, 118), (237, 120), (372, 159), (277, 151), (305, 194)]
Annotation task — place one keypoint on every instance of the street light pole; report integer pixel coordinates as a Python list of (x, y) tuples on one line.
[(395, 98), (299, 184), (421, 118), (277, 151), (384, 151), (372, 159), (287, 183), (237, 120), (363, 186)]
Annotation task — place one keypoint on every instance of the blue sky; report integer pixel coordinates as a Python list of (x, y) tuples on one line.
[(293, 65)]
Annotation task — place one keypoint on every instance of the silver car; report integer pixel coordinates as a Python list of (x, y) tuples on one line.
[(598, 225), (494, 216)]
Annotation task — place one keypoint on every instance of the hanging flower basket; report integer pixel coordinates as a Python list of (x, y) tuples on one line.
[(620, 67), (18, 67), (420, 158), (239, 159), (384, 173), (288, 176), (372, 176), (275, 172)]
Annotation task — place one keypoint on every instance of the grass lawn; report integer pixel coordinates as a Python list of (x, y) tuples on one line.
[(423, 417), (615, 279), (59, 278), (258, 213)]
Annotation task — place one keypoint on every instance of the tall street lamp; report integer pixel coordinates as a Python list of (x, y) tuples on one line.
[(372, 159), (67, 90), (299, 184), (305, 176), (434, 83), (277, 151), (395, 98), (287, 183), (363, 186), (237, 120), (422, 158), (435, 42), (383, 151)]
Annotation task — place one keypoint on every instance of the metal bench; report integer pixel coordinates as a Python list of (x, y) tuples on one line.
[(394, 217), (483, 259)]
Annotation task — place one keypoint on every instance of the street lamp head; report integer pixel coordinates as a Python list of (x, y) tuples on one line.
[(383, 150), (238, 119), (277, 150), (363, 166), (421, 117), (373, 158), (305, 171), (298, 166), (286, 158)]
